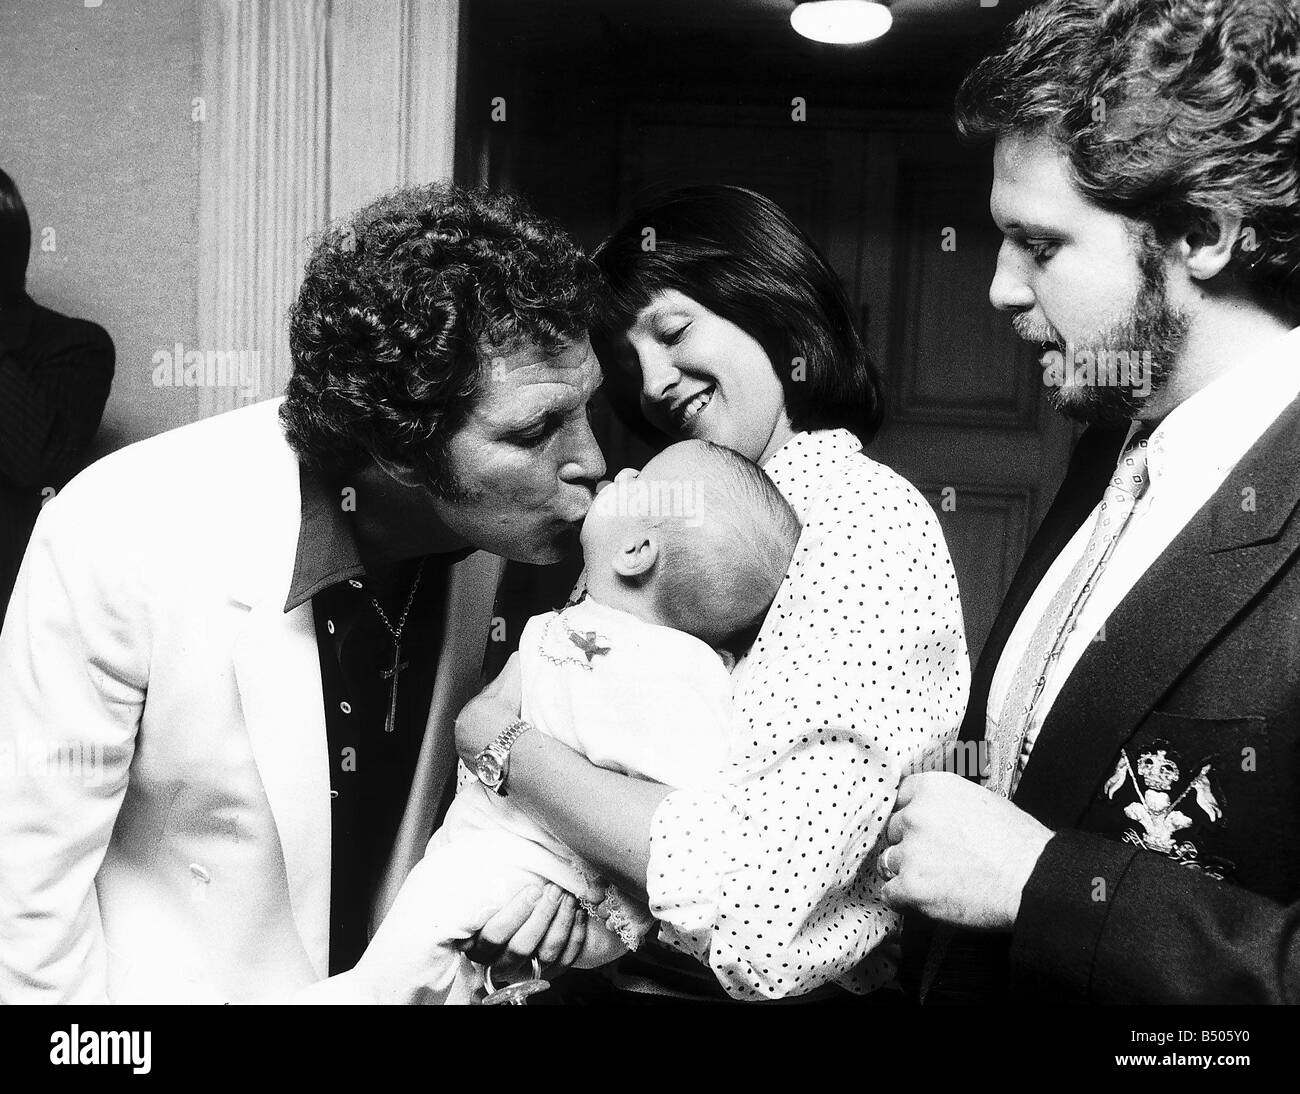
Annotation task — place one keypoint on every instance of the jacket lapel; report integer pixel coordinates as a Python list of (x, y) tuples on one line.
[(471, 589), (1085, 481), (277, 669), (277, 672), (1227, 553)]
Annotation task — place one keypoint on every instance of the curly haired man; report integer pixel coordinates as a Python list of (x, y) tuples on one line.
[(1147, 185), (235, 653)]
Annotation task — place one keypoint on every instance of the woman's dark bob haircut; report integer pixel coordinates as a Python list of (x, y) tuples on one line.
[(738, 254)]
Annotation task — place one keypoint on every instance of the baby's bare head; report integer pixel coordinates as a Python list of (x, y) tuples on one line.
[(699, 540)]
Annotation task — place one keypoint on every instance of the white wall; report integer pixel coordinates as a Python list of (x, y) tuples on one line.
[(95, 128)]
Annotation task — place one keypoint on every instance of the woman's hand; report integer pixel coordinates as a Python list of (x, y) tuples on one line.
[(491, 711)]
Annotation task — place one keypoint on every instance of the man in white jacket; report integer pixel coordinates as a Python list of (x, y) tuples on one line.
[(235, 652)]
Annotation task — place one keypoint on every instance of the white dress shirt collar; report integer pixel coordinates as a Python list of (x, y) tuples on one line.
[(1209, 432)]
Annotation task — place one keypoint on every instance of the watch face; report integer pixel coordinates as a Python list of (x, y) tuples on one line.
[(488, 769)]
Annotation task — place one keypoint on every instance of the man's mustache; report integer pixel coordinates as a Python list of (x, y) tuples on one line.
[(1028, 330)]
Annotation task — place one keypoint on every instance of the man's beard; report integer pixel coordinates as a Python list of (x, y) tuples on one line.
[(1153, 330)]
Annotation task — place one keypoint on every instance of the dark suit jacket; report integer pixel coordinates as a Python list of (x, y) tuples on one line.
[(55, 373), (1188, 709)]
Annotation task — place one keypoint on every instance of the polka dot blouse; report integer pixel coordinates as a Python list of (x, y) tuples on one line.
[(861, 668)]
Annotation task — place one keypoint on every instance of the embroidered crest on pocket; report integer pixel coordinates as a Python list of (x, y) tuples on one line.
[(1166, 799)]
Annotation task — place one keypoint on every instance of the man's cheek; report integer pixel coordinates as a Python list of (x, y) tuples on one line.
[(514, 482)]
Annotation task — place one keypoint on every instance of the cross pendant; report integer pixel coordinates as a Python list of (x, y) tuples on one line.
[(390, 723)]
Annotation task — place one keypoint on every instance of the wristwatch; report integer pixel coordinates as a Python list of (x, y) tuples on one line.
[(492, 765)]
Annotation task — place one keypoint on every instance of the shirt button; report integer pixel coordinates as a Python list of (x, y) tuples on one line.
[(345, 707), (329, 625)]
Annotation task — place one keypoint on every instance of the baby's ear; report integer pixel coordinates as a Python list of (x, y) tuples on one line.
[(636, 556)]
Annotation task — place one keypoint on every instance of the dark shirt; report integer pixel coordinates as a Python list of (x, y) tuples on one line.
[(370, 769), (55, 373)]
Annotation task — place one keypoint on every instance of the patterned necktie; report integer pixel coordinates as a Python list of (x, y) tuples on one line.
[(1126, 486)]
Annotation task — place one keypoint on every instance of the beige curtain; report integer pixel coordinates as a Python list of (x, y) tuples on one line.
[(308, 108)]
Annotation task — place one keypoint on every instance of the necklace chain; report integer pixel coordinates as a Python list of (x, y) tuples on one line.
[(396, 631)]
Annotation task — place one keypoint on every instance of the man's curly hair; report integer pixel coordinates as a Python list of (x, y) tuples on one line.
[(399, 312), (1168, 110)]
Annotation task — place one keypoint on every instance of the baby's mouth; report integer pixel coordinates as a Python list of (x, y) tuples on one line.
[(692, 408)]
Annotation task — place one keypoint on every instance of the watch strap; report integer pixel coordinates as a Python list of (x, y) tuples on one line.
[(500, 750)]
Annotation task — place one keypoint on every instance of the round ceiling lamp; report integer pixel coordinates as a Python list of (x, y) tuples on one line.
[(841, 22)]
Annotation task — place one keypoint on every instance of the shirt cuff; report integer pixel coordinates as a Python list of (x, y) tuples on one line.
[(686, 868), (1063, 913)]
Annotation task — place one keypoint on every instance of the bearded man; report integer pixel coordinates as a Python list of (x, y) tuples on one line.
[(1147, 184)]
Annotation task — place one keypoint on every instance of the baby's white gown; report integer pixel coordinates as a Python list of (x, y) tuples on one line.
[(631, 696)]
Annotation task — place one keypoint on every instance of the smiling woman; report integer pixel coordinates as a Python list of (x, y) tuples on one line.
[(728, 268), (734, 330), (702, 376)]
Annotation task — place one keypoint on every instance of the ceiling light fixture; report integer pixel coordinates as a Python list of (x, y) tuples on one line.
[(841, 22)]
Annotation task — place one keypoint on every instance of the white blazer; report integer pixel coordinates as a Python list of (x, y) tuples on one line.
[(164, 789)]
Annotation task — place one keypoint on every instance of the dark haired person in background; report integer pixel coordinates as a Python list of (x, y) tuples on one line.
[(55, 373), (1138, 700), (733, 328), (246, 640)]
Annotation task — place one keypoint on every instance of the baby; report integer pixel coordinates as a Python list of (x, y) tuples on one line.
[(681, 559)]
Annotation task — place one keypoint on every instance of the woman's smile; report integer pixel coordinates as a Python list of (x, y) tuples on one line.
[(684, 411)]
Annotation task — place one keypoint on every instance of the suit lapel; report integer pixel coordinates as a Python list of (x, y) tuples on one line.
[(1085, 481), (471, 589), (277, 672), (277, 668), (1226, 554)]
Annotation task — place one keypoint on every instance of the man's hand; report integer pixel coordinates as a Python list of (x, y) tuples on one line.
[(957, 853), (491, 711), (411, 957), (553, 929)]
